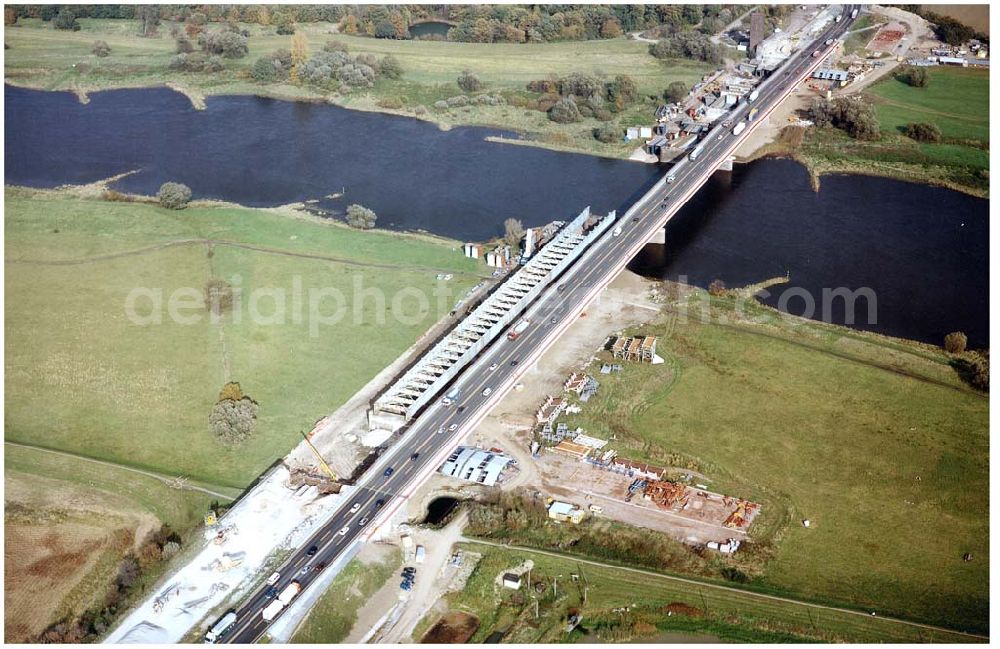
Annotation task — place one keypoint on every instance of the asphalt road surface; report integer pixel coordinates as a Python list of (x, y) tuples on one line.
[(424, 444)]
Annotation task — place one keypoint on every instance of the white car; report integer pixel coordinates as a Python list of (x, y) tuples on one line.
[(273, 579), (355, 508), (487, 392), (343, 530), (494, 366), (363, 522), (453, 427), (306, 569), (440, 430)]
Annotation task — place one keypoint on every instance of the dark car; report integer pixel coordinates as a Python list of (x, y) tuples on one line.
[(379, 503), (415, 456), (514, 363), (319, 567), (312, 550), (387, 472), (461, 408), (271, 592), (635, 219)]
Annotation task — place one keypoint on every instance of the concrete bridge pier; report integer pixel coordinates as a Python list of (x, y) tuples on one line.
[(660, 237), (727, 165)]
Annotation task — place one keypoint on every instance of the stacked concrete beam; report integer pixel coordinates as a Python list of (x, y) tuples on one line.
[(442, 363)]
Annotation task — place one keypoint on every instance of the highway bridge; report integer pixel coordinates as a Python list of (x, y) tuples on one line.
[(434, 433)]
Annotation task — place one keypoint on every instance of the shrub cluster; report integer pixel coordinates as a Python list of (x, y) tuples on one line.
[(852, 115)]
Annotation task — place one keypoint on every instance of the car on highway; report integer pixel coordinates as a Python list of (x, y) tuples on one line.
[(387, 472), (306, 569), (273, 579), (440, 429), (720, 136), (319, 567), (617, 231), (379, 503), (461, 409), (363, 522), (514, 362), (415, 456), (561, 287), (453, 427), (554, 320), (487, 392), (635, 219), (726, 124), (494, 366), (671, 178), (312, 550), (344, 530), (355, 507), (271, 592)]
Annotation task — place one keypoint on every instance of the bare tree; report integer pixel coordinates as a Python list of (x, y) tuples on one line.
[(512, 232)]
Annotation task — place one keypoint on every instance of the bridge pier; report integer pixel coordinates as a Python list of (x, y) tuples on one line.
[(727, 164), (660, 237)]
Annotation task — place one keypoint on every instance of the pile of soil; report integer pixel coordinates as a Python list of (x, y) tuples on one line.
[(453, 628)]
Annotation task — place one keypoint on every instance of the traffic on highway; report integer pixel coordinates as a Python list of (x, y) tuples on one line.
[(422, 446)]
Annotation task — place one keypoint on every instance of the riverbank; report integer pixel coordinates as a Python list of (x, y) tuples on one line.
[(43, 58), (955, 100)]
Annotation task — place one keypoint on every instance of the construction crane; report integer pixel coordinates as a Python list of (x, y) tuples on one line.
[(322, 462)]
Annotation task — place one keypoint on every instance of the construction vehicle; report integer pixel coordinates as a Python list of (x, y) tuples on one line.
[(518, 329), (219, 628), (739, 128)]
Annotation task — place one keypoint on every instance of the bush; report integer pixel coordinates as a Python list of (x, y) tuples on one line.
[(676, 92), (420, 110), (717, 288), (955, 342), (174, 196), (66, 19), (226, 43), (359, 216), (214, 64), (184, 45), (334, 46), (606, 133), (356, 74), (267, 69), (913, 76), (233, 421), (564, 111), (101, 49), (390, 68), (394, 103), (458, 101), (469, 82), (687, 45), (441, 105), (923, 132), (850, 114)]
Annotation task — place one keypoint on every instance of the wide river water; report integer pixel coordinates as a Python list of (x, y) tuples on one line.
[(921, 251)]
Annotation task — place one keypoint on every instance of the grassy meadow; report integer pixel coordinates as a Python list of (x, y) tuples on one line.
[(42, 57), (876, 441), (335, 613), (84, 377), (956, 100), (727, 615)]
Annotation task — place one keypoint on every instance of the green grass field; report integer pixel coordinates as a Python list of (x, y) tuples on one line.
[(82, 376), (877, 442), (42, 57), (956, 100), (727, 615), (335, 613)]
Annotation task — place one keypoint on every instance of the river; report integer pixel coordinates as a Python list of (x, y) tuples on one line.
[(921, 251)]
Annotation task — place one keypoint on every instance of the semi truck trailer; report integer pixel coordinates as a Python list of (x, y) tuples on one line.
[(219, 628)]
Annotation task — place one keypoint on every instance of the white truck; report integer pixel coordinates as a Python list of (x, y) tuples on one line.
[(854, 14), (837, 19), (739, 128), (753, 96), (418, 557), (518, 329), (271, 610), (220, 627), (291, 590), (695, 153)]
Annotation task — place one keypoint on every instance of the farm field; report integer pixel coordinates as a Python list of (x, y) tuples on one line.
[(956, 100), (876, 441), (41, 57), (68, 524), (140, 394), (612, 611)]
